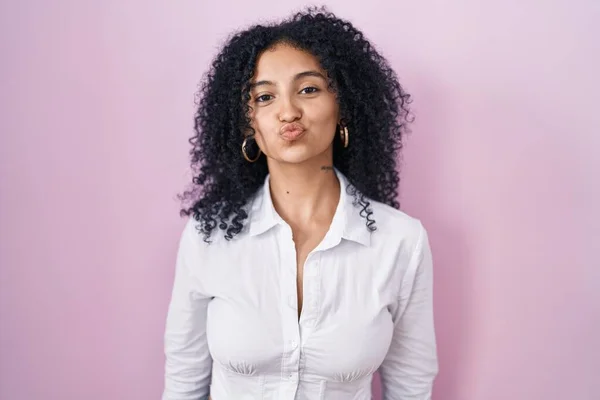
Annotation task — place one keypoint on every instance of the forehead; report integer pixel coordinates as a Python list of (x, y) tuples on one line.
[(284, 61)]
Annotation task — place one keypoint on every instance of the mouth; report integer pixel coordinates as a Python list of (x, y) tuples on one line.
[(291, 132)]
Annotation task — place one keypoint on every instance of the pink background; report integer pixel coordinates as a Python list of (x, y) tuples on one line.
[(96, 108)]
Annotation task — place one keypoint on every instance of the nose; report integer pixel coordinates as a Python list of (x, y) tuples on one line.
[(289, 111)]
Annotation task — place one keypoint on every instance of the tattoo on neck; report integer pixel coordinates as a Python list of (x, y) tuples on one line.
[(326, 168)]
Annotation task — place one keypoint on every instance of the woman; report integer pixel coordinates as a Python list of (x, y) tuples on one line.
[(314, 279)]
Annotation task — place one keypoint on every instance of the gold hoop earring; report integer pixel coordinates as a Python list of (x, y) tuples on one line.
[(244, 143), (344, 135)]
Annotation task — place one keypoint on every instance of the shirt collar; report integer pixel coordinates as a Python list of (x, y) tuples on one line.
[(347, 222)]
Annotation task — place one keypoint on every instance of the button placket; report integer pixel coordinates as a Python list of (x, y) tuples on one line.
[(311, 296), (291, 334)]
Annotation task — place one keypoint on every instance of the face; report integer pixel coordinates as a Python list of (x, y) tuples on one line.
[(293, 113)]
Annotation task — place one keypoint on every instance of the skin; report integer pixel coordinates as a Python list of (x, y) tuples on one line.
[(290, 86)]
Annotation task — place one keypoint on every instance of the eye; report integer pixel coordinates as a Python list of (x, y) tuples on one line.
[(309, 90), (263, 98)]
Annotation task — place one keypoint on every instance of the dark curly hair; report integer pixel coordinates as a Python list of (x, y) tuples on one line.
[(372, 104)]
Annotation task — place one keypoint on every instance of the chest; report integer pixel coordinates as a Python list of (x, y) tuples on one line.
[(342, 277), (346, 323)]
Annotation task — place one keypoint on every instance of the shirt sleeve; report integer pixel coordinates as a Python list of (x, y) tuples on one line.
[(411, 365), (188, 362)]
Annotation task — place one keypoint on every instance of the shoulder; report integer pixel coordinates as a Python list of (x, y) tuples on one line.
[(202, 260), (193, 239), (404, 239), (394, 222), (397, 228)]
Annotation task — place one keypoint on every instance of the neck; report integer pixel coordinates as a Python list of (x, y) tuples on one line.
[(304, 194)]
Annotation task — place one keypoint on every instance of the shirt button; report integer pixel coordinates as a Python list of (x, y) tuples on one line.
[(294, 344)]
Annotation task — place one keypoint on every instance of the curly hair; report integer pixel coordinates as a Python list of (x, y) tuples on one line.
[(372, 103)]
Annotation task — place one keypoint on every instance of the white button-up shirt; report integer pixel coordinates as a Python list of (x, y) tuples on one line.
[(233, 330)]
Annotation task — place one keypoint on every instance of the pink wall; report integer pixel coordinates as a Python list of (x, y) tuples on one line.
[(96, 108)]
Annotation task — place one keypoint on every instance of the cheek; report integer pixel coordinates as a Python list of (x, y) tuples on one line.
[(326, 110), (263, 121), (326, 117)]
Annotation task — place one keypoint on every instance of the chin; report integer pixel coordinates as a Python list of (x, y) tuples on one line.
[(296, 155), (300, 153), (298, 159)]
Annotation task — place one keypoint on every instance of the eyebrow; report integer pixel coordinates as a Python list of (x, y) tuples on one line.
[(296, 77)]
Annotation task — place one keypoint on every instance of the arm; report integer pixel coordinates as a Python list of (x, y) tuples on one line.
[(411, 365), (188, 362)]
